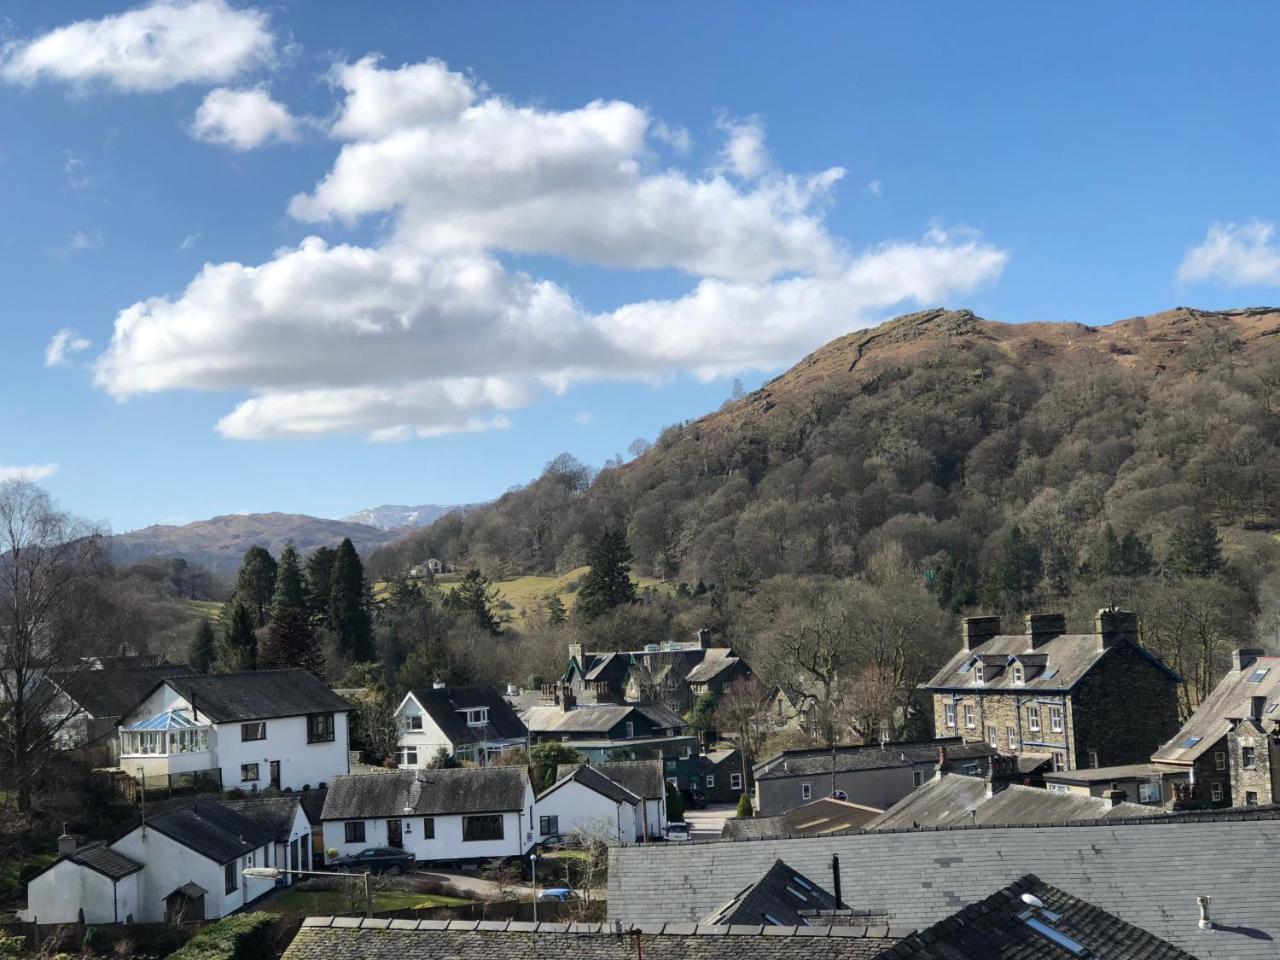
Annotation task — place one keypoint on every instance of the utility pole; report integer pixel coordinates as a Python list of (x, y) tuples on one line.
[(533, 876)]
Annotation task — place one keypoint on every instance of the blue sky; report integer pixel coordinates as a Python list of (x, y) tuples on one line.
[(561, 226)]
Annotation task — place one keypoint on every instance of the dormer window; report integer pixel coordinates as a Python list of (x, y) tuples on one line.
[(477, 716), (1018, 675), (979, 673)]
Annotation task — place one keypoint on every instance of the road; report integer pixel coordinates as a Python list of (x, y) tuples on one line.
[(707, 824)]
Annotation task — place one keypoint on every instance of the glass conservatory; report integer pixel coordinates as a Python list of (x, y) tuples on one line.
[(173, 731)]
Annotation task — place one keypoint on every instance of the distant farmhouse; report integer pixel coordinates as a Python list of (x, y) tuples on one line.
[(1067, 700)]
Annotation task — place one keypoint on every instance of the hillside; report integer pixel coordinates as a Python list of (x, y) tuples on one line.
[(392, 516), (938, 431), (220, 543)]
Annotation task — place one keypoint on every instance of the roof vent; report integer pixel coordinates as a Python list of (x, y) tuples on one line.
[(1203, 904)]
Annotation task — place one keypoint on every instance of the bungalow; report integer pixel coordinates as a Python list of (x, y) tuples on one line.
[(265, 728), (464, 815), (586, 803), (605, 730), (471, 723), (183, 864), (641, 778)]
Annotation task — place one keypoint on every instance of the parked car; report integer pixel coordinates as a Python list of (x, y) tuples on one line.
[(694, 800), (559, 894), (560, 841), (376, 860), (677, 832)]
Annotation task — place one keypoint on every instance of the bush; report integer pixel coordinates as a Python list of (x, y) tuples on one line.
[(241, 936), (744, 807), (95, 940), (675, 804)]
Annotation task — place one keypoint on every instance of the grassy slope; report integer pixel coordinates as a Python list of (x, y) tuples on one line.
[(209, 610)]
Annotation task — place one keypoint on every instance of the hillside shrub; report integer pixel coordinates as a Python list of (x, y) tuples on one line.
[(243, 936)]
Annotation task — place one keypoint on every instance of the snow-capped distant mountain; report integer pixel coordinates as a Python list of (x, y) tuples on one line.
[(394, 516)]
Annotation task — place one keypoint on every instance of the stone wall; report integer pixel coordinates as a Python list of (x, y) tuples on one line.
[(1260, 779), (1125, 708)]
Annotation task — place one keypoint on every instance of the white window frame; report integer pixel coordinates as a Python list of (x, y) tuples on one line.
[(1059, 788), (1033, 718), (631, 730), (1215, 792), (1252, 758), (244, 768), (408, 756), (949, 714), (806, 791), (413, 722), (969, 722), (1012, 734), (1018, 675), (1145, 792), (477, 716), (979, 673), (1220, 759), (1055, 719), (993, 735), (735, 781), (710, 780)]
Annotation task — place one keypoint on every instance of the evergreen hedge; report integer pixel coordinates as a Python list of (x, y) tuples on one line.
[(241, 936)]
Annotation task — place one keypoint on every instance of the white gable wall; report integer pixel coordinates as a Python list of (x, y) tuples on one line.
[(580, 809), (58, 895), (426, 741), (169, 865)]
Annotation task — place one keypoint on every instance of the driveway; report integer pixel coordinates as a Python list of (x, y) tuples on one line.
[(473, 884), (707, 824)]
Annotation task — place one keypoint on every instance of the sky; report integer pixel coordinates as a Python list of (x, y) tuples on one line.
[(314, 257)]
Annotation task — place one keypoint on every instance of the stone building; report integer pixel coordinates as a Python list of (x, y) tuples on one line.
[(1070, 699), (1201, 747), (1253, 745)]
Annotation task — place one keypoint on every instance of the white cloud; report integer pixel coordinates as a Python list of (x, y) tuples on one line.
[(243, 119), (61, 346), (33, 472), (744, 153), (1236, 254), (189, 241), (427, 332), (154, 47), (80, 242), (875, 187)]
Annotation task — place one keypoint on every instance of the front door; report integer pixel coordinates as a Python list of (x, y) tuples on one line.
[(275, 774), (395, 837), (293, 854)]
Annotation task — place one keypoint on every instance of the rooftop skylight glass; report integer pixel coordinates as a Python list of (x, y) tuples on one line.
[(1258, 675)]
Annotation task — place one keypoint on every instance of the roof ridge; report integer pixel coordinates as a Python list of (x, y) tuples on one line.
[(613, 929)]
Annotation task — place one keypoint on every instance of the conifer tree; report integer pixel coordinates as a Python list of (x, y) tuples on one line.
[(1195, 549), (348, 605), (239, 649), (255, 583), (554, 607), (1013, 579), (475, 595), (204, 648), (608, 582), (291, 641), (319, 582), (289, 592)]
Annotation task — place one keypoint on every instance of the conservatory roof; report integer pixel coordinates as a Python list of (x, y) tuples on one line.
[(169, 720)]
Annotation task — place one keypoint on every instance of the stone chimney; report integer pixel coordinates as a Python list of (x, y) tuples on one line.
[(1240, 659), (975, 631), (567, 700), (1043, 627), (1114, 797), (703, 637), (1257, 705), (66, 843), (940, 769), (1114, 625), (575, 653)]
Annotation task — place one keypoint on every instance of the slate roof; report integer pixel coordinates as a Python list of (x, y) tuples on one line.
[(643, 778), (1056, 664), (1148, 872), (358, 938), (592, 779), (870, 756), (957, 800), (114, 691), (212, 829), (275, 814), (776, 899), (430, 793), (597, 718), (716, 662), (1128, 771), (1230, 698), (993, 929), (820, 817), (443, 706), (256, 695)]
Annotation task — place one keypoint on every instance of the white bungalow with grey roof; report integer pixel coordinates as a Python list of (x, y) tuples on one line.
[(471, 723), (264, 728), (586, 803), (464, 815), (183, 864), (640, 778)]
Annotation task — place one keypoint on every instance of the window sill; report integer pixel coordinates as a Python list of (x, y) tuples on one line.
[(327, 740)]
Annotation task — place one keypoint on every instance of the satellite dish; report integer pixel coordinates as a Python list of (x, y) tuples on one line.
[(1031, 900)]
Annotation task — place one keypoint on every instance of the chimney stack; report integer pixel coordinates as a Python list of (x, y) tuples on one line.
[(66, 843), (1256, 707), (567, 700), (703, 636), (575, 653), (1043, 627), (1114, 797), (975, 631), (1240, 659), (941, 767), (1115, 625)]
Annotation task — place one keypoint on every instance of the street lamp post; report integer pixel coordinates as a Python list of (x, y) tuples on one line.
[(275, 873), (533, 875)]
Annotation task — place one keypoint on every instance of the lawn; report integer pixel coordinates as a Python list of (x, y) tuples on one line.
[(329, 903), (209, 610), (10, 867)]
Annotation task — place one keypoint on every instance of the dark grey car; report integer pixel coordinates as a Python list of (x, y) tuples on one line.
[(376, 860)]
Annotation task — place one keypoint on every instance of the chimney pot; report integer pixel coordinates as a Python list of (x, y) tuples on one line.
[(1244, 658), (975, 631), (1043, 627)]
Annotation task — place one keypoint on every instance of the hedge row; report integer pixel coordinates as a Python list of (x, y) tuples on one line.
[(241, 936)]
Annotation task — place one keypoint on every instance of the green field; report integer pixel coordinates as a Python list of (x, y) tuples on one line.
[(330, 903), (209, 610)]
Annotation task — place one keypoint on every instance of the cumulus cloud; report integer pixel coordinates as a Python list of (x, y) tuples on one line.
[(243, 119), (63, 344), (428, 332), (33, 472), (1236, 254), (155, 47)]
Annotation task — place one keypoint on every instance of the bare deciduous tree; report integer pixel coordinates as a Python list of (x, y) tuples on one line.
[(48, 562)]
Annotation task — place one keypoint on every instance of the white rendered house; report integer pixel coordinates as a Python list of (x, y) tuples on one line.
[(249, 731), (641, 778), (471, 723), (183, 864), (462, 815), (586, 803)]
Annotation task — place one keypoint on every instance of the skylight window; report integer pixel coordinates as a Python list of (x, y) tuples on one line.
[(1191, 741), (1258, 675), (774, 921), (801, 882), (797, 894), (1073, 947)]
